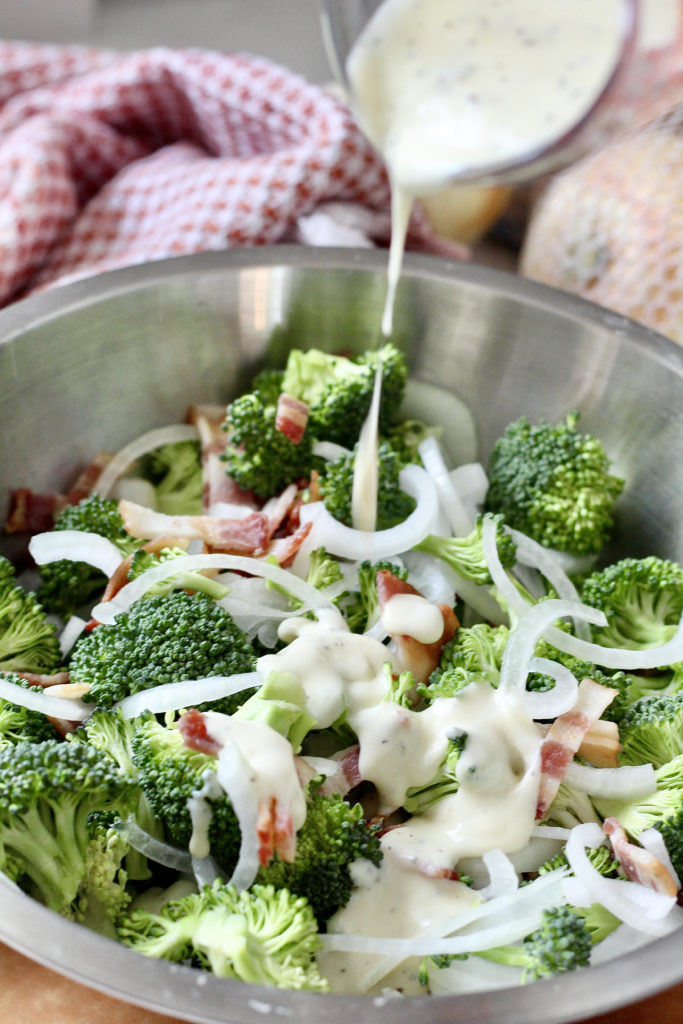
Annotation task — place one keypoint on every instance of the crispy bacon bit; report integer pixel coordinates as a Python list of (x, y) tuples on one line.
[(217, 487), (36, 679), (248, 536), (420, 658), (84, 483), (284, 549), (30, 512), (192, 726), (291, 417), (119, 577), (275, 831), (639, 865), (277, 509), (564, 737)]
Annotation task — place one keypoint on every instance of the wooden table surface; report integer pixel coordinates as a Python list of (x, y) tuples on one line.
[(31, 994)]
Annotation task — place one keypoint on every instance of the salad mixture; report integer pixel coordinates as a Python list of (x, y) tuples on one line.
[(263, 719)]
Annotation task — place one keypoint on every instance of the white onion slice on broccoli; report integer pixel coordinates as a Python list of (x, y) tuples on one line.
[(186, 693), (450, 501), (627, 782), (130, 453), (55, 707), (75, 546)]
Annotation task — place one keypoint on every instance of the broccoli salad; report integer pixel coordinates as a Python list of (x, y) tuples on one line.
[(249, 725)]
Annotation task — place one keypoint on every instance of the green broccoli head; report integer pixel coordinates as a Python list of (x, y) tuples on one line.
[(474, 654), (161, 640), (47, 792), (338, 391), (393, 504), (465, 555), (649, 811), (445, 782), (66, 586), (258, 456), (554, 484), (642, 599), (562, 943), (600, 857), (280, 703), (169, 773), (671, 829), (360, 607), (651, 731), (323, 569), (261, 935), (406, 437), (333, 836), (104, 892), (28, 641), (185, 580), (175, 472), (19, 724)]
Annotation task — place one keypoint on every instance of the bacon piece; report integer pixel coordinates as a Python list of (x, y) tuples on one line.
[(638, 864), (38, 679), (284, 549), (564, 737), (192, 726), (419, 658), (119, 577), (277, 509), (30, 512), (601, 746), (217, 487), (86, 480), (275, 831), (248, 536), (291, 417), (424, 867)]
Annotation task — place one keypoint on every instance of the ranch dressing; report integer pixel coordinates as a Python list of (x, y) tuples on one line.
[(448, 88)]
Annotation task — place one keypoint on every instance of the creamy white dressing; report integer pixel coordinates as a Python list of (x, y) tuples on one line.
[(365, 486), (413, 615)]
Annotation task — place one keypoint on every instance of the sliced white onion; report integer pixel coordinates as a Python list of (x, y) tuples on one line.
[(108, 610), (616, 657), (186, 694), (653, 841), (55, 707), (472, 483), (329, 451), (501, 581), (503, 877), (551, 832), (543, 705), (135, 489), (130, 453), (236, 779), (76, 546), (473, 975), (628, 782), (206, 871), (346, 542), (433, 404), (70, 634), (531, 553), (157, 850), (634, 904), (449, 498), (520, 647)]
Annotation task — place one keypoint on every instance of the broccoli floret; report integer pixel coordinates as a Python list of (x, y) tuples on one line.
[(47, 792), (393, 504), (161, 640), (418, 799), (338, 391), (262, 935), (600, 857), (196, 581), (28, 641), (323, 569), (474, 654), (360, 607), (554, 484), (651, 731), (333, 836), (103, 894), (175, 472), (169, 773), (406, 437), (280, 703), (268, 385), (642, 599), (581, 670), (401, 687), (19, 724), (259, 457), (562, 943), (571, 807), (465, 555), (671, 829), (647, 812), (66, 585)]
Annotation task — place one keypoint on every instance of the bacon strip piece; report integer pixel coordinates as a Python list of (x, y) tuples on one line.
[(420, 658), (639, 865), (277, 509), (564, 737), (248, 536), (284, 549), (291, 417), (35, 513), (217, 487), (38, 679), (192, 727)]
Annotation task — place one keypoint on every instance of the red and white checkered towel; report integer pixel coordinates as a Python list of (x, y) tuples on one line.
[(109, 159)]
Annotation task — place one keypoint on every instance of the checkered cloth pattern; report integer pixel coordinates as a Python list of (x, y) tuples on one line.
[(109, 159)]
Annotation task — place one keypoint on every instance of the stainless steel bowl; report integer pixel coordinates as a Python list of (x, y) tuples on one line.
[(92, 364)]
